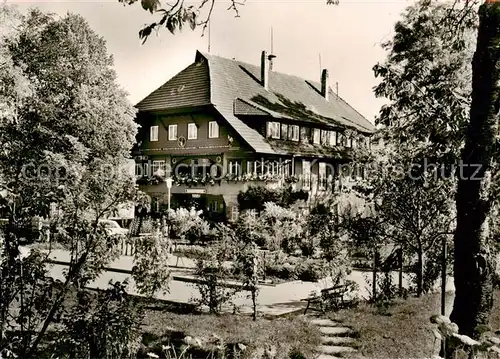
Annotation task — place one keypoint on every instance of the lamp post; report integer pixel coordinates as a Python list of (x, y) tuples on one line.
[(168, 181)]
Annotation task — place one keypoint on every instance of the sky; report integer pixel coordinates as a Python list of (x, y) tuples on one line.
[(308, 35)]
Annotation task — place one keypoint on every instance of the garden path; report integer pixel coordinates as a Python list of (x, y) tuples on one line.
[(273, 300)]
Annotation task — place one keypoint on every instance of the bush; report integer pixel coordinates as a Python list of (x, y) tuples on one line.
[(102, 325), (256, 196), (309, 271), (193, 252), (188, 224), (293, 268)]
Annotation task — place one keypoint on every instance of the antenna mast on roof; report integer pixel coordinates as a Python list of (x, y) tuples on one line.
[(320, 68), (271, 55), (209, 22)]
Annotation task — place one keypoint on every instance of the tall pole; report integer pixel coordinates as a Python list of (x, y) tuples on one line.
[(443, 290), (400, 255), (443, 277), (209, 35), (168, 200)]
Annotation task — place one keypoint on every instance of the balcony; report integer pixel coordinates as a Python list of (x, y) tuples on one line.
[(232, 184)]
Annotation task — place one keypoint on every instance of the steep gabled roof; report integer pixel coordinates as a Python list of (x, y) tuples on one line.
[(288, 95), (190, 87), (234, 88)]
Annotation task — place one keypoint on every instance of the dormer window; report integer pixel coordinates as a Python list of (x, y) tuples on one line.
[(324, 137), (316, 136), (293, 132), (332, 140), (284, 131), (273, 130)]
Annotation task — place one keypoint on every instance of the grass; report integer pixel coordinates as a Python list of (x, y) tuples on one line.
[(283, 333), (401, 330)]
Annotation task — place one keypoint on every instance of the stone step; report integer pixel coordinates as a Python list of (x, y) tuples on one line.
[(338, 341), (335, 349), (336, 331), (324, 322), (327, 356)]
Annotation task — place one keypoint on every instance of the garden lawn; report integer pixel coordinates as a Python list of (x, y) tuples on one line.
[(284, 334), (400, 331)]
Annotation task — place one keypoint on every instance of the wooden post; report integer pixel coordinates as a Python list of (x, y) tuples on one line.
[(374, 284), (443, 289), (400, 254), (443, 277)]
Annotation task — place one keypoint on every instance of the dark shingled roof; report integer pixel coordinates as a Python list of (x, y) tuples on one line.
[(190, 87), (234, 88)]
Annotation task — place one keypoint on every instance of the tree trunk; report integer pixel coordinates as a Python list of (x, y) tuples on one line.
[(374, 279), (254, 303), (401, 265), (420, 272), (473, 265)]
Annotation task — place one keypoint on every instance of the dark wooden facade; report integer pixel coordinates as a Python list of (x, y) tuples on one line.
[(210, 170)]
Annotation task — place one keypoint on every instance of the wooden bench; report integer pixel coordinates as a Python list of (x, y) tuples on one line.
[(336, 293)]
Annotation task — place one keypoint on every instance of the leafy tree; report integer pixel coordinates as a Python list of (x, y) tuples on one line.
[(250, 269), (415, 214), (214, 272), (65, 144), (104, 325), (474, 265), (427, 78), (276, 227)]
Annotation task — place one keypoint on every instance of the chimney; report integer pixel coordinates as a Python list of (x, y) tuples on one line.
[(324, 84), (271, 57), (264, 70)]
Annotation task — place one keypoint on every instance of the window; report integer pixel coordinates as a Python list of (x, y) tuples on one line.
[(322, 176), (172, 132), (340, 139), (213, 129), (192, 131), (213, 206), (286, 168), (348, 142), (353, 143), (293, 133), (273, 130), (324, 137), (284, 131), (332, 141), (159, 168), (304, 134), (235, 167), (316, 136), (153, 133), (306, 173)]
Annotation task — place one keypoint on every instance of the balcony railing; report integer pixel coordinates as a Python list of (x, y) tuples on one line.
[(307, 182)]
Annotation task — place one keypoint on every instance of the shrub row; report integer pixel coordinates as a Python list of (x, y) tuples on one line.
[(309, 270)]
